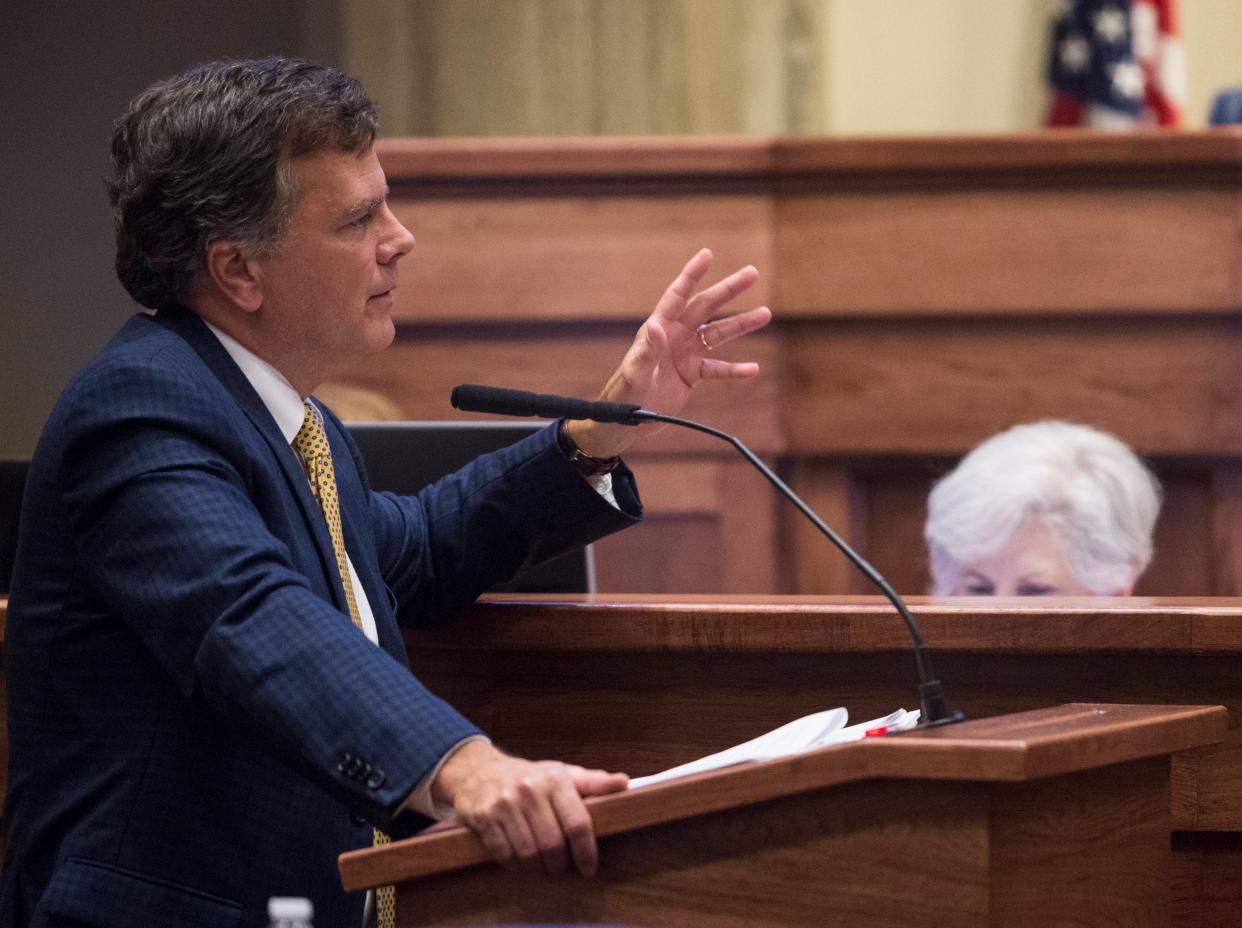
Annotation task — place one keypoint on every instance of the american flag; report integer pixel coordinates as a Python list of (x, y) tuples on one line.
[(1116, 64)]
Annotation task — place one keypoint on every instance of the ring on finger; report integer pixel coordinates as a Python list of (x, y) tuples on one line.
[(703, 336)]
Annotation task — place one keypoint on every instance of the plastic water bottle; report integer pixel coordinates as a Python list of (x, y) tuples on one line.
[(289, 912)]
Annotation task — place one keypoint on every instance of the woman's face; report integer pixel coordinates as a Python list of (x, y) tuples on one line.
[(1032, 562)]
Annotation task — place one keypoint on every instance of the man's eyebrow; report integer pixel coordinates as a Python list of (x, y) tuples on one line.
[(366, 206)]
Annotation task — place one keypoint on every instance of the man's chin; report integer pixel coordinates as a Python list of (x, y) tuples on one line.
[(381, 332)]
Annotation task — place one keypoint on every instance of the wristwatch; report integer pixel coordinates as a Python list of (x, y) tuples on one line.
[(585, 464)]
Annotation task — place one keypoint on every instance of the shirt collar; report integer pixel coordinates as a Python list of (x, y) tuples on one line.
[(277, 394)]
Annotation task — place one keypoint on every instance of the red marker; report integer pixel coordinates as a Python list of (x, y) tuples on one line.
[(876, 732)]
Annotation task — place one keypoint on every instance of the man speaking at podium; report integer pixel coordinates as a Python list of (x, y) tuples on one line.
[(199, 714)]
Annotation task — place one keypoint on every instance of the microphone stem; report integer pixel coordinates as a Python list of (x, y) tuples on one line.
[(935, 707)]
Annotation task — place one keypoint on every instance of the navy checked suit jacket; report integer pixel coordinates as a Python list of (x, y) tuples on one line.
[(185, 687)]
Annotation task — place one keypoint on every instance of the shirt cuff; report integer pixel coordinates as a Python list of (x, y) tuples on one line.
[(603, 486), (420, 799)]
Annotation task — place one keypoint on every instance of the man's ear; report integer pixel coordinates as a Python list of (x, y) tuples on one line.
[(238, 278)]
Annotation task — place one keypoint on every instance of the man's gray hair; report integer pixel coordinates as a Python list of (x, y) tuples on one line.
[(204, 156), (1084, 484)]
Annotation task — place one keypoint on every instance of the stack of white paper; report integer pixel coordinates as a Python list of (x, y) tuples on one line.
[(804, 734)]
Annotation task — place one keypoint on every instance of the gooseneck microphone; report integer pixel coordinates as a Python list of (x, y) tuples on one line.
[(475, 398)]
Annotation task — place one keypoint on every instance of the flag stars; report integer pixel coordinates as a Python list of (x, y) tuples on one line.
[(1110, 24), (1128, 79), (1075, 52)]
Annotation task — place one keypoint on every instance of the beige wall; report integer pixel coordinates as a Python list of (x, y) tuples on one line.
[(978, 65), (1213, 34), (497, 67), (946, 66)]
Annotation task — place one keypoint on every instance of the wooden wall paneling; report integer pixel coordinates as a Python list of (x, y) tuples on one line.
[(952, 251), (1183, 561), (815, 564), (681, 521), (929, 292), (1047, 863), (1226, 527), (415, 377), (582, 255), (750, 537), (904, 386), (1207, 881), (711, 521), (669, 551), (896, 499)]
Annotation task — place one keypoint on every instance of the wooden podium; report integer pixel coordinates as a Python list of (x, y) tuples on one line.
[(640, 683), (1050, 817)]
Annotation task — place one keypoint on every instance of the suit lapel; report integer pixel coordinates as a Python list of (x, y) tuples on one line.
[(188, 326)]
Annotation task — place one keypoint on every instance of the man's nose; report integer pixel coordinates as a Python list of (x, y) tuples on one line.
[(397, 241)]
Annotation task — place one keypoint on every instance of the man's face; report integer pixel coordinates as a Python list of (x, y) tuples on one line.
[(327, 289)]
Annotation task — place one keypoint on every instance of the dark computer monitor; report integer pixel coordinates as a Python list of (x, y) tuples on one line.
[(406, 456), (12, 484)]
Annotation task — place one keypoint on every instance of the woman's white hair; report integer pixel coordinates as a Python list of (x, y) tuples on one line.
[(1082, 483)]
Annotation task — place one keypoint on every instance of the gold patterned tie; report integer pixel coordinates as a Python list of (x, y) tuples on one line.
[(311, 443)]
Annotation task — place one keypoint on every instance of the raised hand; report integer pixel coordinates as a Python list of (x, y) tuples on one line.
[(672, 351)]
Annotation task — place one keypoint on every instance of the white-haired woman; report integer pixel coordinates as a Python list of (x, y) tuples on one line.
[(1047, 508)]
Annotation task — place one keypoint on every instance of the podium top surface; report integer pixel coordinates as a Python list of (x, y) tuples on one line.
[(815, 624), (1012, 748)]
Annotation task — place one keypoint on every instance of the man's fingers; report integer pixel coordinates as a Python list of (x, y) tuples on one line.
[(534, 814), (517, 830), (596, 782), (710, 301), (687, 281), (723, 331), (684, 284), (539, 797), (494, 839), (578, 829), (712, 369)]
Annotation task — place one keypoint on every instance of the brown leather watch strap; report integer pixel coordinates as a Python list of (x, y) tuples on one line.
[(586, 465)]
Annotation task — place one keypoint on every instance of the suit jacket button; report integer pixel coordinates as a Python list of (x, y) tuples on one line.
[(358, 818), (375, 780)]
